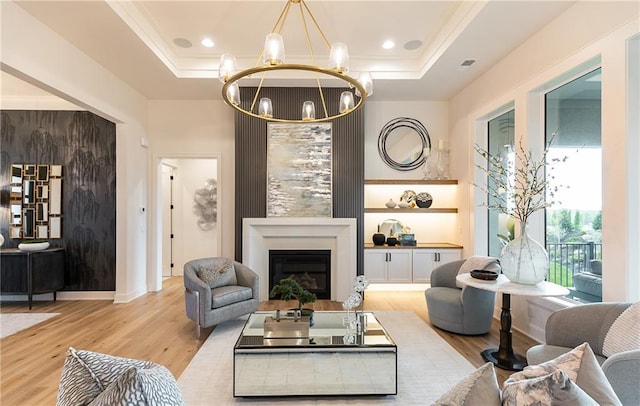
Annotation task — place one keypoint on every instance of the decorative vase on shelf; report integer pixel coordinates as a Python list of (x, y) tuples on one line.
[(390, 204), (442, 166), (392, 241), (379, 238), (524, 260)]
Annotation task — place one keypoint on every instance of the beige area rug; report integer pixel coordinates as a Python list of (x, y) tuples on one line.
[(11, 323), (427, 367)]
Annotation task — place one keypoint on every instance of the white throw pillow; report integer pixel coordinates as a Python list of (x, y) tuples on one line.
[(624, 333)]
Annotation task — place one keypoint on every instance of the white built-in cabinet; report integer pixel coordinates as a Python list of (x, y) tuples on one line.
[(425, 260), (408, 264), (405, 265), (388, 265)]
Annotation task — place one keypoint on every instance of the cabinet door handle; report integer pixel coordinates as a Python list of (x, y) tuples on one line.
[(389, 254)]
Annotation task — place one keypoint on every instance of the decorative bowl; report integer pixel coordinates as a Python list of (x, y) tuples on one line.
[(484, 274), (424, 200), (34, 246)]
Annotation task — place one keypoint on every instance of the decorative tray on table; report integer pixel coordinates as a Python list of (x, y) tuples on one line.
[(484, 274)]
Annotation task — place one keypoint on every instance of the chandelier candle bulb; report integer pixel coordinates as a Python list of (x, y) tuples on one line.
[(228, 67), (308, 111), (367, 82), (346, 101), (339, 57), (233, 93), (265, 109), (273, 49)]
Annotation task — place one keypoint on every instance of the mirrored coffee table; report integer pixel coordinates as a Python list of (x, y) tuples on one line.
[(314, 363)]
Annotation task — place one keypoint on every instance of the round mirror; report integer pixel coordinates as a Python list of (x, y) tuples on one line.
[(401, 143)]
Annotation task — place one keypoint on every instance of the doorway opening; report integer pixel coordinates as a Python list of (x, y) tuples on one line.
[(187, 214)]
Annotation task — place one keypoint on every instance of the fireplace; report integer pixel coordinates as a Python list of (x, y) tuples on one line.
[(310, 268), (338, 235)]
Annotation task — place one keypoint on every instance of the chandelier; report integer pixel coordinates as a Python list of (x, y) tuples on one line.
[(271, 63)]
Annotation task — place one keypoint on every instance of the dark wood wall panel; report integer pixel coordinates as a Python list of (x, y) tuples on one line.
[(251, 153)]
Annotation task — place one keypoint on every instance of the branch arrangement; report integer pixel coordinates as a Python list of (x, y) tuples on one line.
[(521, 182)]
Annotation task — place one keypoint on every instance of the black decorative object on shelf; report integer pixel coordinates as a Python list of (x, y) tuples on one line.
[(392, 241), (378, 238), (424, 200)]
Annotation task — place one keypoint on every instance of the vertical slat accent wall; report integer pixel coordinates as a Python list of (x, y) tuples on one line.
[(251, 158)]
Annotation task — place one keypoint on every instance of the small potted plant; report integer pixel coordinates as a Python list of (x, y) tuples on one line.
[(290, 289)]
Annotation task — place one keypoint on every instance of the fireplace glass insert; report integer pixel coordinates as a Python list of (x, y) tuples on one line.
[(310, 268)]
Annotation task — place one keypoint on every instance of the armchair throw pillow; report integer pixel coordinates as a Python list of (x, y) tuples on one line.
[(218, 275)]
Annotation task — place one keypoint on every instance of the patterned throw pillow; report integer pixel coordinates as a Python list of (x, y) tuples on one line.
[(478, 389), (146, 386), (553, 389), (581, 366), (86, 374), (624, 333), (217, 276)]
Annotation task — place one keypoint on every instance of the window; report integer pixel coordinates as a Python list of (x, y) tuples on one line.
[(574, 225), (500, 137)]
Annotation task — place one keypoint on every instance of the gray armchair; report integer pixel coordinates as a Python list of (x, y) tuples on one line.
[(464, 310), (567, 328), (209, 306)]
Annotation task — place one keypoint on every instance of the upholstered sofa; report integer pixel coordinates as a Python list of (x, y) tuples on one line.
[(598, 324), (462, 310), (217, 290), (587, 285)]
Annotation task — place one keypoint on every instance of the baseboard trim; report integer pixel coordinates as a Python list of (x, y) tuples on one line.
[(127, 297), (46, 297)]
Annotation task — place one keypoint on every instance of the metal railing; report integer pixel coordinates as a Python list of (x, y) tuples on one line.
[(568, 259)]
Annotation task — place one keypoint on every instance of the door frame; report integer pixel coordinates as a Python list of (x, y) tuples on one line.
[(154, 274)]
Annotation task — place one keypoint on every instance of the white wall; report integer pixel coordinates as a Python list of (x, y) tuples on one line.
[(196, 243), (192, 129), (432, 114), (34, 53), (426, 227), (585, 32)]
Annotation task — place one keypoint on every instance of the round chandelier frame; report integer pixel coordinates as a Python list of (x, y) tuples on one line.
[(362, 85), (349, 81)]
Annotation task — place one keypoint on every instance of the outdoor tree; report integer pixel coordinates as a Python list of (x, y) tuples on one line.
[(597, 221)]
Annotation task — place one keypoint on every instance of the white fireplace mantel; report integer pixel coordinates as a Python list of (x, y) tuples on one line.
[(259, 235)]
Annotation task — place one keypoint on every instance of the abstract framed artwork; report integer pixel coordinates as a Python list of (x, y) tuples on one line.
[(299, 170)]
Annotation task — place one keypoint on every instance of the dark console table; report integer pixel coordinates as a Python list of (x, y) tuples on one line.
[(31, 272)]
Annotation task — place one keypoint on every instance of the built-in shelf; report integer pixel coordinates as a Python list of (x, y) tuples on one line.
[(411, 182), (409, 210)]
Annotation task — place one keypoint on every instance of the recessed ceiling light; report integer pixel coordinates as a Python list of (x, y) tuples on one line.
[(413, 44), (182, 42), (388, 44), (207, 42)]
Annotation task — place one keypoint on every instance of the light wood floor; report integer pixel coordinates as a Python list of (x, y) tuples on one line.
[(155, 327)]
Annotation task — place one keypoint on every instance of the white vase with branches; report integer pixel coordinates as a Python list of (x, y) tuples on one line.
[(519, 187)]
